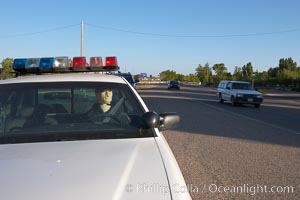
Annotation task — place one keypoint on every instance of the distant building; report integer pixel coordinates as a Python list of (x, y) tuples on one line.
[(143, 75)]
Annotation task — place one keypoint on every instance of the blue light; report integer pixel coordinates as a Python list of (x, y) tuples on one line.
[(46, 63), (19, 64)]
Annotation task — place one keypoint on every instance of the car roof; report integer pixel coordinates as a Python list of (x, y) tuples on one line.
[(234, 81), (239, 82), (77, 77)]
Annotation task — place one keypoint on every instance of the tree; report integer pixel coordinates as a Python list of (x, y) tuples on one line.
[(7, 69), (167, 75), (204, 73), (199, 72), (287, 71), (287, 64), (247, 71), (192, 78), (181, 77), (273, 72), (237, 74), (261, 78), (221, 71)]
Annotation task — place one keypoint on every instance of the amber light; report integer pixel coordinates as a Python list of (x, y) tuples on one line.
[(96, 61)]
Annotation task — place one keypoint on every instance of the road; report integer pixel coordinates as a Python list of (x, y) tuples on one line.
[(228, 152)]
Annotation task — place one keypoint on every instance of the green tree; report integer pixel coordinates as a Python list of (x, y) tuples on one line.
[(298, 73), (167, 75), (7, 69), (247, 71), (261, 78), (181, 77), (204, 73), (220, 71), (237, 74), (287, 71), (273, 72), (192, 78), (288, 64)]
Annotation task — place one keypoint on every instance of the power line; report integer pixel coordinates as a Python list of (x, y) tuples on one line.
[(194, 36), (38, 32), (152, 34)]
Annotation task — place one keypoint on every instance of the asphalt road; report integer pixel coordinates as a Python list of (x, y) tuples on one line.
[(228, 152)]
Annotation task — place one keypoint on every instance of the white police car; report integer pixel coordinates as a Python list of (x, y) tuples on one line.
[(53, 147)]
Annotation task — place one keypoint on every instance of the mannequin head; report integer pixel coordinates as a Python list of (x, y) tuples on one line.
[(104, 97)]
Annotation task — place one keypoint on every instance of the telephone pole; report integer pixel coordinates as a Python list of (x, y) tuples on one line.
[(207, 78), (81, 39)]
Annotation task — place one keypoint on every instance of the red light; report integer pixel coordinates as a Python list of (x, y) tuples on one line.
[(111, 61), (79, 62), (96, 62)]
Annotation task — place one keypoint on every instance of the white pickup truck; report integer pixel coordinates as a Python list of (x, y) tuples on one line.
[(238, 92)]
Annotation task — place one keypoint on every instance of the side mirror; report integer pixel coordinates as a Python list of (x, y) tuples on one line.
[(168, 121), (164, 121), (151, 119), (228, 88), (137, 80)]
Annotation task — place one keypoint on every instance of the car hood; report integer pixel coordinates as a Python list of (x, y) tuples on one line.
[(94, 169), (246, 92)]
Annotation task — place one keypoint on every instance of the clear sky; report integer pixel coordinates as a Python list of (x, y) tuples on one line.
[(156, 35)]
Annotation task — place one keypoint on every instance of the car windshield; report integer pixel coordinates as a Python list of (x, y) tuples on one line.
[(31, 112), (241, 86), (174, 83)]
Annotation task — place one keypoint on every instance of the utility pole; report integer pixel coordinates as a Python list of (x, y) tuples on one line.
[(81, 39), (207, 78)]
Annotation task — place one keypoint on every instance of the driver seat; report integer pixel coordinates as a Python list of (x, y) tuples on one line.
[(19, 121)]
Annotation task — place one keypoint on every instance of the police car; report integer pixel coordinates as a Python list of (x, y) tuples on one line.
[(52, 146)]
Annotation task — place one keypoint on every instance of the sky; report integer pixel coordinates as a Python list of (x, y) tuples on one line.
[(157, 35)]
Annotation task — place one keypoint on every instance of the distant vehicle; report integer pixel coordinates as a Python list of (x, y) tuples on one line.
[(174, 85), (129, 78), (238, 92)]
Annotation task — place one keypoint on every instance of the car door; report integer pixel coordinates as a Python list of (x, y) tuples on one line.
[(227, 91)]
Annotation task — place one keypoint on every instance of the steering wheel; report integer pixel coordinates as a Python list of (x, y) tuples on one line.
[(106, 118), (14, 129), (122, 118)]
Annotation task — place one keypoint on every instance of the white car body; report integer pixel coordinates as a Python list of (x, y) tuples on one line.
[(135, 168)]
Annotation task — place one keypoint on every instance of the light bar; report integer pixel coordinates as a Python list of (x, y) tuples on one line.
[(62, 64), (79, 63)]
